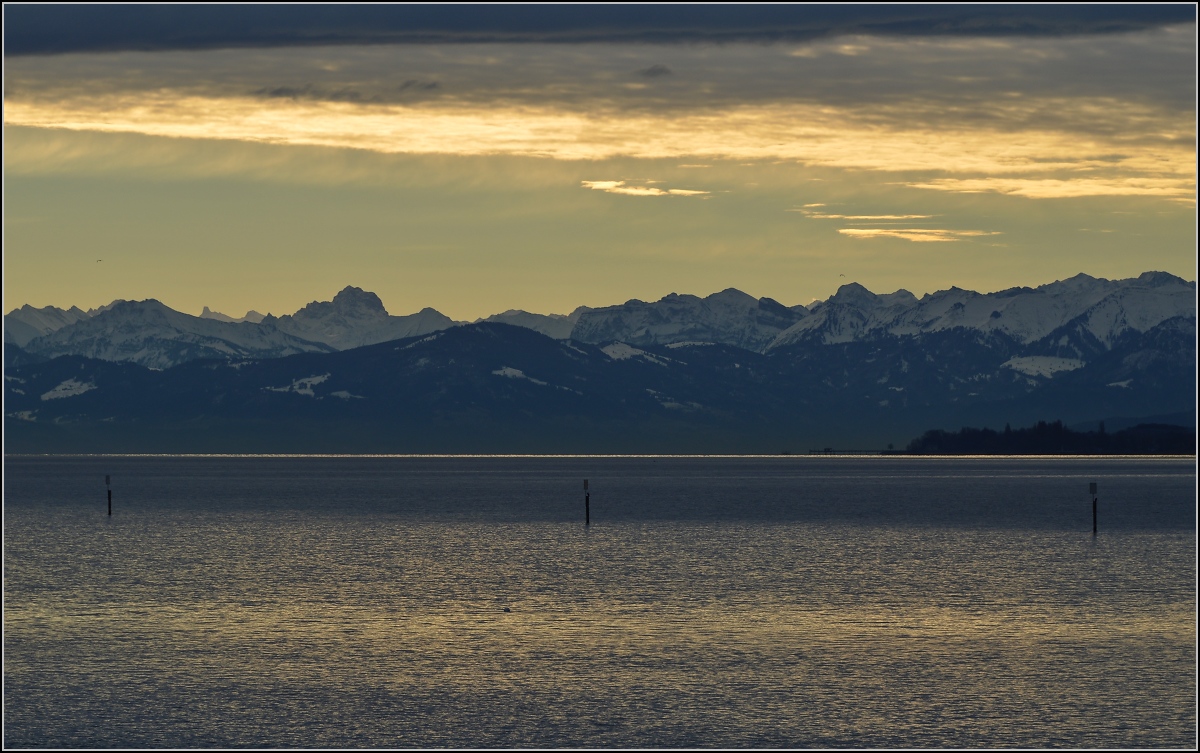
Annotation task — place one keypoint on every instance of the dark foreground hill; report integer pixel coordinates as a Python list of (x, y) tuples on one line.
[(497, 388)]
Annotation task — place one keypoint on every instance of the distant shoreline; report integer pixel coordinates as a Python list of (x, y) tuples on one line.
[(566, 456), (1055, 439)]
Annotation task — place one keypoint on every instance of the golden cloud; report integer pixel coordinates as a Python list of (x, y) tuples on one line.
[(1032, 163), (916, 235), (860, 217), (1043, 188), (620, 186)]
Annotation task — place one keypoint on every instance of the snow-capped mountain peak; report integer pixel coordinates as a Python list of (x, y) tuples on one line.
[(1074, 318), (1159, 279), (24, 324), (853, 294), (1098, 309), (730, 317), (152, 334), (354, 318)]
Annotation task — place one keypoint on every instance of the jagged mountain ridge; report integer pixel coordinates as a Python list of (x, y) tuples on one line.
[(1069, 320), (27, 322), (730, 317), (151, 334), (1103, 308), (847, 315), (355, 318), (557, 326), (251, 316)]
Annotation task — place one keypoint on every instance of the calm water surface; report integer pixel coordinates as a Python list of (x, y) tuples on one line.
[(751, 602)]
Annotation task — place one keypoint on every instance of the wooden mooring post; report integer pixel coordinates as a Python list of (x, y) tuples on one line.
[(108, 484), (587, 504), (1092, 489)]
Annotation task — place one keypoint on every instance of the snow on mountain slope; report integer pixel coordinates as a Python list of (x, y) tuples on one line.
[(153, 335), (302, 386), (511, 373), (1103, 308), (1023, 314), (847, 315), (23, 324), (1140, 307), (1077, 318), (624, 352), (68, 388), (557, 326), (730, 317), (1046, 366), (1108, 308), (355, 318)]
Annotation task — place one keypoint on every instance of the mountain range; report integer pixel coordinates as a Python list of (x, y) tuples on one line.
[(723, 373)]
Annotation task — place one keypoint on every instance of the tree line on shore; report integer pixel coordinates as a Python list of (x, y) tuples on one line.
[(1055, 439)]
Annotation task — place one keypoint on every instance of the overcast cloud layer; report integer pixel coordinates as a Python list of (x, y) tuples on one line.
[(825, 151), (1013, 110), (48, 29)]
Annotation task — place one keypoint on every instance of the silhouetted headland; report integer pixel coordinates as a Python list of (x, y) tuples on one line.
[(1055, 439)]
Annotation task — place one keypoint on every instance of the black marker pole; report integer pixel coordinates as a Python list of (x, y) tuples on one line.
[(1092, 489), (587, 505), (108, 483)]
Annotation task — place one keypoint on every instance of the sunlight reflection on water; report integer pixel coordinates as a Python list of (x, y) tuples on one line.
[(341, 612)]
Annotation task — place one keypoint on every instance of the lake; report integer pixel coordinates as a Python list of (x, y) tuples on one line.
[(713, 601)]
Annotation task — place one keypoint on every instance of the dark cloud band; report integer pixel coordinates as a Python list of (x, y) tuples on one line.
[(54, 29)]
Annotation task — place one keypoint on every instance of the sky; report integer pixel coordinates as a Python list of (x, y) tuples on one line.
[(477, 160)]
